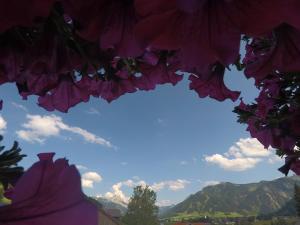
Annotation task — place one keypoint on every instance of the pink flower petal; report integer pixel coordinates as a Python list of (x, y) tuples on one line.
[(49, 193)]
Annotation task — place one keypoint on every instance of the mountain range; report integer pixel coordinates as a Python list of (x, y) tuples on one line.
[(265, 197), (254, 199)]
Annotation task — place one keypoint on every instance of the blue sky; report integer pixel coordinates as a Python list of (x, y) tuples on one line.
[(168, 138)]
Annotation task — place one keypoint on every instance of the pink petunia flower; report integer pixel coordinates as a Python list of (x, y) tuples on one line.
[(45, 61), (203, 36), (157, 74), (295, 166), (212, 85), (22, 13), (283, 54), (11, 61), (113, 89), (110, 22), (49, 193), (256, 17), (64, 96)]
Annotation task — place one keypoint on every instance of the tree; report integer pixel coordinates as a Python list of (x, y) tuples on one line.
[(142, 208), (9, 171)]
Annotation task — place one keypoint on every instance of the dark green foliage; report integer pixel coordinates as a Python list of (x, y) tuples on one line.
[(142, 208), (9, 171)]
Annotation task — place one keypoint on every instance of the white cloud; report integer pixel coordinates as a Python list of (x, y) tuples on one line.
[(38, 128), (158, 186), (117, 195), (244, 155), (211, 183), (92, 176), (236, 164), (173, 185), (249, 147), (19, 106), (129, 183), (89, 137), (3, 125), (87, 183), (177, 184), (93, 111), (88, 179), (81, 167)]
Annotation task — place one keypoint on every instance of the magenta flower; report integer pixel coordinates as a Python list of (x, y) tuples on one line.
[(152, 75), (49, 193), (264, 106), (22, 13), (11, 61), (44, 62), (243, 106), (266, 136), (271, 136), (203, 37), (64, 96), (291, 160), (291, 12), (190, 6), (245, 15), (113, 89), (295, 166), (110, 22), (267, 97), (212, 85), (282, 55)]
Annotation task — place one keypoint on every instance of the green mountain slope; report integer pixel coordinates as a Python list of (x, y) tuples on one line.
[(289, 209), (238, 199)]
